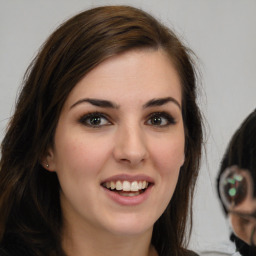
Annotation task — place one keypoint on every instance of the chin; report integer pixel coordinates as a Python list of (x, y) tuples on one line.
[(129, 226)]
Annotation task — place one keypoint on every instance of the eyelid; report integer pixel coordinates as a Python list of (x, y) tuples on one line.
[(170, 119), (86, 116)]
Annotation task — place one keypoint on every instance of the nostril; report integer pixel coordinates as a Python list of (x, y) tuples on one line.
[(132, 159)]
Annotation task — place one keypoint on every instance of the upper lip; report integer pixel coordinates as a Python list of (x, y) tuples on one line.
[(126, 177)]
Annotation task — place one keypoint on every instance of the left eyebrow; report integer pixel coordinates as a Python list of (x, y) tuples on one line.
[(161, 101)]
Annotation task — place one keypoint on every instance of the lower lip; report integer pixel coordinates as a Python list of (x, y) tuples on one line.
[(129, 200)]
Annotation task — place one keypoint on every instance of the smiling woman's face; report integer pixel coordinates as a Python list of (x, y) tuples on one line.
[(119, 144)]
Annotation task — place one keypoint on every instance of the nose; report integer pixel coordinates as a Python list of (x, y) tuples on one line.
[(130, 146)]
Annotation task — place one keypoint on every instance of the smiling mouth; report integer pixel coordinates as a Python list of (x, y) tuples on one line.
[(127, 188)]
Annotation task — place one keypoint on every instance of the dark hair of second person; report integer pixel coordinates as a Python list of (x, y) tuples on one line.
[(240, 154)]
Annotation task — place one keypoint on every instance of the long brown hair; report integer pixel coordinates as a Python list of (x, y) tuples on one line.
[(30, 211)]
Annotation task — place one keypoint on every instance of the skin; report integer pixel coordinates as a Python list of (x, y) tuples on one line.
[(243, 227), (242, 220), (126, 141)]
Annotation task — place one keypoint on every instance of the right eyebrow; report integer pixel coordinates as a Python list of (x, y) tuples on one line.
[(161, 101), (96, 102)]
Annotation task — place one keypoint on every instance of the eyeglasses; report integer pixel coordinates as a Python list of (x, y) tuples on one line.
[(236, 189)]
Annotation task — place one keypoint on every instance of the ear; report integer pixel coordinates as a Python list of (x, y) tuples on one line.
[(48, 161)]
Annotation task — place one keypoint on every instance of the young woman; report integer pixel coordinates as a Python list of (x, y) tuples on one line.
[(237, 185), (102, 153)]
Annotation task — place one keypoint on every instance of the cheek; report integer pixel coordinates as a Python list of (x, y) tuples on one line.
[(242, 228), (169, 155), (80, 156), (168, 158)]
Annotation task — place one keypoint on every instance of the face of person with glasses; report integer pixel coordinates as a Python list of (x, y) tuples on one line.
[(237, 192)]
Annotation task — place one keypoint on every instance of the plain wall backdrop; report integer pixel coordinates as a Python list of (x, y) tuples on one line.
[(222, 33)]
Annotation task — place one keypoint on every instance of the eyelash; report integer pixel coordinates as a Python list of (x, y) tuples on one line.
[(87, 119), (168, 119)]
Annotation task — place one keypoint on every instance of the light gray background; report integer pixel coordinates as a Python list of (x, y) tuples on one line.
[(222, 33)]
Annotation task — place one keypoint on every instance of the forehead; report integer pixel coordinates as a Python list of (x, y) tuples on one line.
[(145, 73)]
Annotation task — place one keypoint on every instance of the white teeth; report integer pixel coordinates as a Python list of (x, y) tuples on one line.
[(119, 185), (134, 186), (112, 185), (126, 186)]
